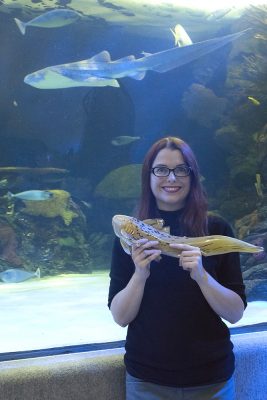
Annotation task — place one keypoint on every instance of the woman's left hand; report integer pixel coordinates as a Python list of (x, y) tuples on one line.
[(190, 260)]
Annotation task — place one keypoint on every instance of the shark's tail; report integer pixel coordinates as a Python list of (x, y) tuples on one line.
[(21, 25), (10, 195), (38, 273)]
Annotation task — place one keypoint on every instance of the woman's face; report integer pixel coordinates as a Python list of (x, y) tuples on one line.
[(170, 191)]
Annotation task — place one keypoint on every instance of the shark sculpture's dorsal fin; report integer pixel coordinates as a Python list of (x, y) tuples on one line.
[(103, 56), (127, 58)]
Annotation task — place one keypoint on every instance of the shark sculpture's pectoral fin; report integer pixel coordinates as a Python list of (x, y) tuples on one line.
[(125, 247)]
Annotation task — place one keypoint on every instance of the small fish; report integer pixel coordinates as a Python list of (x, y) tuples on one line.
[(181, 38), (15, 104), (254, 101), (87, 204), (123, 140), (258, 185), (219, 14), (3, 183), (260, 36), (31, 195), (50, 19), (130, 229), (15, 275), (260, 137)]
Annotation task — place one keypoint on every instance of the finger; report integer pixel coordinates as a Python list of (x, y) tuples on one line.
[(152, 251), (140, 242), (150, 243), (153, 256), (183, 246), (187, 269)]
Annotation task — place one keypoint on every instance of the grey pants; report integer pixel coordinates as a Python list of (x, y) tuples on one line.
[(136, 389)]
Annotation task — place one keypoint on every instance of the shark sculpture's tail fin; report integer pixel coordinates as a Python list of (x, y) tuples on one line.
[(189, 53), (21, 25)]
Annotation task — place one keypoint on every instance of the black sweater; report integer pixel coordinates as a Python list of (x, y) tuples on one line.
[(176, 338)]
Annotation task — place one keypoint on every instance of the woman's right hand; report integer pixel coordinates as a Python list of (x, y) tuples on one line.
[(143, 252)]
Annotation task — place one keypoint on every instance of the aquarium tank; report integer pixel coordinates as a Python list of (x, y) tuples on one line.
[(86, 87)]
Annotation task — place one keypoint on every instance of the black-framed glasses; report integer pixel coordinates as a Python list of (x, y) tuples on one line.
[(179, 171)]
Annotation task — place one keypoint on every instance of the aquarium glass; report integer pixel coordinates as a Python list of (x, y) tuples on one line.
[(86, 88)]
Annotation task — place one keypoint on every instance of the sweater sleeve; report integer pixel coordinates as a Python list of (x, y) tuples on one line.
[(229, 272), (121, 271)]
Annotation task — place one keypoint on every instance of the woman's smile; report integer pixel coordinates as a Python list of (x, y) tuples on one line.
[(171, 189)]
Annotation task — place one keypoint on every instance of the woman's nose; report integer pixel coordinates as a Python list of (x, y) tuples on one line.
[(171, 177)]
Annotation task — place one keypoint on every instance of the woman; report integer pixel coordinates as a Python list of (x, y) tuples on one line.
[(177, 345)]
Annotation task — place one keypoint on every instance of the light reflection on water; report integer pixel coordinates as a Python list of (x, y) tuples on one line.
[(69, 310)]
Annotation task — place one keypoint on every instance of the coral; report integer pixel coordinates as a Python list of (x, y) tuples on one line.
[(67, 242), (9, 244), (202, 105), (245, 224), (58, 205), (129, 187)]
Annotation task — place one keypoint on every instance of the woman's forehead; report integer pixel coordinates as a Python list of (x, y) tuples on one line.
[(166, 156)]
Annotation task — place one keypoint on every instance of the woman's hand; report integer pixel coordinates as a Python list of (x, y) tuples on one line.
[(191, 260), (143, 252), (225, 302)]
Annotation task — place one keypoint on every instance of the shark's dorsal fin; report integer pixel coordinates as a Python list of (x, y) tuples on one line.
[(103, 56)]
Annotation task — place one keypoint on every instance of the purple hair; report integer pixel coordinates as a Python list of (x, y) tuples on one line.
[(194, 216)]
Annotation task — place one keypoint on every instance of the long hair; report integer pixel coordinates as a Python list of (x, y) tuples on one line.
[(194, 216)]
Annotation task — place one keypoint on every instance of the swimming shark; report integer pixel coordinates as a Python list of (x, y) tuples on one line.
[(16, 275), (50, 19), (100, 70)]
